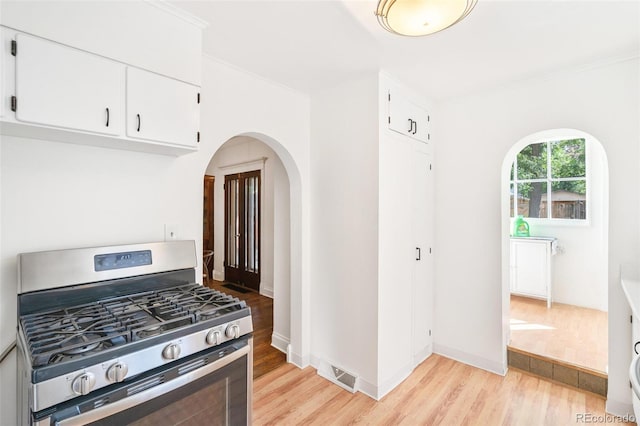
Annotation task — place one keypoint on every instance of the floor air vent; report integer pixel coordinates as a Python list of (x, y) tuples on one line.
[(346, 379)]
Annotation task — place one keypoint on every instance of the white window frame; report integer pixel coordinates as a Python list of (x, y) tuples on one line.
[(513, 183)]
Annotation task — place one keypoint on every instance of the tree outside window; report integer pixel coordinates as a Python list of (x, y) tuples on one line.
[(552, 170)]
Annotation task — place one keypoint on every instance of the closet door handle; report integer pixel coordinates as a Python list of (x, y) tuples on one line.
[(410, 125), (139, 121), (418, 253), (107, 110), (635, 347), (415, 129)]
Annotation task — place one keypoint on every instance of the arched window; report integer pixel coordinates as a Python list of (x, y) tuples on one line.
[(550, 170)]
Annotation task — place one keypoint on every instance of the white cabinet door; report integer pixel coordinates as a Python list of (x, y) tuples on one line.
[(422, 221), (162, 109), (399, 120), (64, 87), (530, 268), (407, 118), (420, 123)]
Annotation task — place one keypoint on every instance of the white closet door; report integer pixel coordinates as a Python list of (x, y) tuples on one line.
[(422, 211), (64, 87)]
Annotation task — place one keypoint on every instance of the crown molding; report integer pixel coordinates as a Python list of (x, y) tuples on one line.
[(179, 13)]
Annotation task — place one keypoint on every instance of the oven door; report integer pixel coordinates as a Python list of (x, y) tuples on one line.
[(206, 388)]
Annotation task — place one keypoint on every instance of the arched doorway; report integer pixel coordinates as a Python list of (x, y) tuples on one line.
[(579, 276), (280, 227)]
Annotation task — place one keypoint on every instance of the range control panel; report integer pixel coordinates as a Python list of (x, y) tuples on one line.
[(106, 262)]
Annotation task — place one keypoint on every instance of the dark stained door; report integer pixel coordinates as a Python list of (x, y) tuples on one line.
[(207, 213), (242, 229)]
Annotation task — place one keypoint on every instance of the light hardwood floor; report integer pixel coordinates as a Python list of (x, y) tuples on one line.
[(568, 333), (439, 392)]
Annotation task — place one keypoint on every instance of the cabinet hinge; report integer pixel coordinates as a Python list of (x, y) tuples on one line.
[(14, 47), (428, 136), (429, 250), (14, 103), (631, 319), (429, 332), (198, 97), (429, 166), (389, 119), (428, 118), (198, 136), (389, 96)]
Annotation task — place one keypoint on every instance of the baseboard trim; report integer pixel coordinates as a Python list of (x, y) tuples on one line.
[(422, 355), (470, 359), (217, 275), (267, 292), (323, 369), (367, 388), (391, 383), (298, 360), (279, 342)]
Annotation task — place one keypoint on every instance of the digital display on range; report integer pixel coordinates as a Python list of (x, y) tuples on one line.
[(106, 262)]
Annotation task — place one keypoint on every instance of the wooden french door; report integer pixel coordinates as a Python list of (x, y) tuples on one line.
[(242, 229), (207, 213)]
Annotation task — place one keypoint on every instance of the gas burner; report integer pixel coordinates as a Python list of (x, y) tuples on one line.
[(150, 331), (80, 344)]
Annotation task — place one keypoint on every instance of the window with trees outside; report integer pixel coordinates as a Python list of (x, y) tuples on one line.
[(552, 170)]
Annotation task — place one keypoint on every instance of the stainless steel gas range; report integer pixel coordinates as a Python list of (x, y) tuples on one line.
[(123, 335)]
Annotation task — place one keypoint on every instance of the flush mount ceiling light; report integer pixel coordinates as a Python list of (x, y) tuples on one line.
[(421, 17)]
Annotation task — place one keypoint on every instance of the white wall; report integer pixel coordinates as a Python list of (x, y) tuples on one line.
[(579, 272), (57, 195), (281, 264), (345, 228), (471, 267), (236, 156)]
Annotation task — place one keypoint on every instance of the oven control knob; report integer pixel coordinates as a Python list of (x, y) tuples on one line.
[(83, 384), (117, 372), (171, 351), (233, 331), (213, 337)]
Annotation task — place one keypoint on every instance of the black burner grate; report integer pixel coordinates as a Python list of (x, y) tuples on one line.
[(79, 331)]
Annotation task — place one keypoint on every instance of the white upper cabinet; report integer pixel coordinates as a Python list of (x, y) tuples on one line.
[(67, 88), (56, 92), (162, 109), (407, 118)]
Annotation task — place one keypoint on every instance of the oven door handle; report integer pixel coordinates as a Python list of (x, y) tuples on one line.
[(151, 393)]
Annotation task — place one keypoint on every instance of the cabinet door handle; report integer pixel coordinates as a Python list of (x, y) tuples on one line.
[(418, 253), (415, 128), (635, 347), (410, 125), (107, 123), (138, 116)]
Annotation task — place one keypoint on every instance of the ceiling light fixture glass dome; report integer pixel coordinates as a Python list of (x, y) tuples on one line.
[(421, 17)]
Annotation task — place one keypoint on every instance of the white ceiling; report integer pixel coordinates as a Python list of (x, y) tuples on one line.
[(308, 45)]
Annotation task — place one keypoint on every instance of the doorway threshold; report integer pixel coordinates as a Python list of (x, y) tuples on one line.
[(558, 371)]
